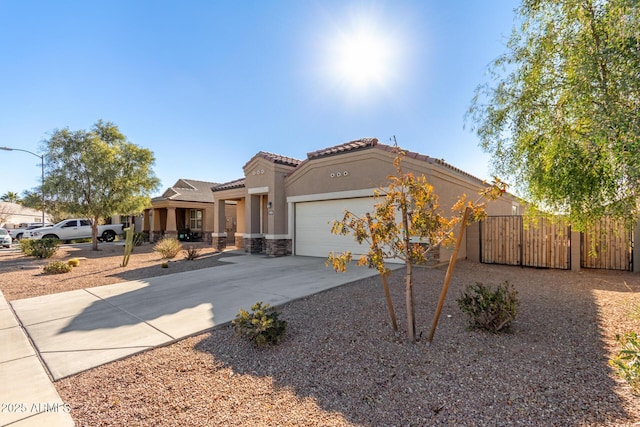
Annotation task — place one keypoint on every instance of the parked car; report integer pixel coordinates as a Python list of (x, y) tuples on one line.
[(5, 238), (72, 229), (17, 233)]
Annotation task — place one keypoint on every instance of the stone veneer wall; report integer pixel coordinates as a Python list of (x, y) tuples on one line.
[(239, 241), (278, 247), (220, 242), (207, 237), (254, 245), (433, 256)]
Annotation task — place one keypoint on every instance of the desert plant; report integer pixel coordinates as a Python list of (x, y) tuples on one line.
[(139, 238), (262, 326), (168, 247), (74, 262), (489, 308), (192, 253), (43, 248), (26, 246), (57, 267), (164, 265), (627, 362)]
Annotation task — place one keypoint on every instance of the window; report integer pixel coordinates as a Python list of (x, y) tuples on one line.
[(514, 210), (195, 219)]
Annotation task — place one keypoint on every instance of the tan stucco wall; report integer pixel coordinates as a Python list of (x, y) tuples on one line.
[(370, 168), (365, 169)]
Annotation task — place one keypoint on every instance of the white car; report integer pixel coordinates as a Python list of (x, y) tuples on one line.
[(17, 233), (5, 238)]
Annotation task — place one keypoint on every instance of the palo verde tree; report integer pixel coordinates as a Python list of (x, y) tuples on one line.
[(98, 173), (560, 111), (406, 213)]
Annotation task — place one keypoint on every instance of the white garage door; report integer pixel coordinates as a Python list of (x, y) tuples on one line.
[(313, 223)]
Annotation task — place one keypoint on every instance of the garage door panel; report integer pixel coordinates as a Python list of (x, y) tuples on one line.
[(313, 226)]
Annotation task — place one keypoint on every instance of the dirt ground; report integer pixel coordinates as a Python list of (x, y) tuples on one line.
[(22, 277), (341, 364)]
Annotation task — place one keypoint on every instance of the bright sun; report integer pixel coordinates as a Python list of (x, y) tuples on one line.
[(362, 58)]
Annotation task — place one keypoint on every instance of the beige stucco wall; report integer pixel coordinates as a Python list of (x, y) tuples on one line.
[(369, 168)]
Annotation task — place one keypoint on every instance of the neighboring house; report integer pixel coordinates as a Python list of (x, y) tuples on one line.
[(12, 214), (185, 210), (286, 206)]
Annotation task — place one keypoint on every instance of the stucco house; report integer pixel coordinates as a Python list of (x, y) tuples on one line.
[(286, 206), (13, 214), (184, 210)]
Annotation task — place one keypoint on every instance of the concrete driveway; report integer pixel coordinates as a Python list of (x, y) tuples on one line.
[(78, 330)]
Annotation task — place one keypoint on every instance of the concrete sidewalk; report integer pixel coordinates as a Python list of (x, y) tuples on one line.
[(78, 330)]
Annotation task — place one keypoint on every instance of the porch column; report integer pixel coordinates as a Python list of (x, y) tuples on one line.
[(240, 224), (208, 227), (219, 240), (155, 231), (146, 225), (171, 222), (252, 237)]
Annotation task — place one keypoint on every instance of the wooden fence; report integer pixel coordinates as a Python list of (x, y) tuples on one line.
[(511, 240), (607, 245)]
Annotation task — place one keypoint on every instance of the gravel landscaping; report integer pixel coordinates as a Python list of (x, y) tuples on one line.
[(341, 364)]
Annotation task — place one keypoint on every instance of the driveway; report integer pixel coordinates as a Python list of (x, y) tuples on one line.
[(78, 330)]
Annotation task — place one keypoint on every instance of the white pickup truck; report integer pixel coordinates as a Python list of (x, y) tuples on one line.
[(72, 229)]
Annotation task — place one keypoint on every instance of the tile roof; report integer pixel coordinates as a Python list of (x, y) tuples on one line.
[(357, 144), (189, 190), (276, 158), (237, 183)]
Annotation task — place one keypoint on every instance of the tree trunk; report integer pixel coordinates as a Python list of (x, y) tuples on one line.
[(94, 234), (411, 321), (387, 293)]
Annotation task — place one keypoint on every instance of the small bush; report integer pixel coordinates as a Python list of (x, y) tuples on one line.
[(192, 253), (26, 246), (139, 237), (57, 267), (43, 248), (627, 362), (488, 308), (168, 247), (164, 265), (261, 326), (74, 262)]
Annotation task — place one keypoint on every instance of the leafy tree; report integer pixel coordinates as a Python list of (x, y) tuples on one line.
[(10, 197), (98, 173), (407, 212), (560, 112)]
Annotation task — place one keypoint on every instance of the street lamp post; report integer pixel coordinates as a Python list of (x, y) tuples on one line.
[(41, 157)]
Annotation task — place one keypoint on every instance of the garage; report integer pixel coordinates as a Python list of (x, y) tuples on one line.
[(313, 221)]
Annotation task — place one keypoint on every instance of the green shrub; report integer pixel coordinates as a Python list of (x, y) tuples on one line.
[(168, 247), (43, 248), (139, 237), (192, 253), (261, 326), (488, 308), (74, 262), (627, 362), (26, 245), (57, 267)]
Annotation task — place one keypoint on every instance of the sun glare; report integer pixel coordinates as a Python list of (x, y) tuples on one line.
[(362, 58)]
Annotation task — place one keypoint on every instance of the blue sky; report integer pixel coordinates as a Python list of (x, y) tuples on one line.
[(207, 84)]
